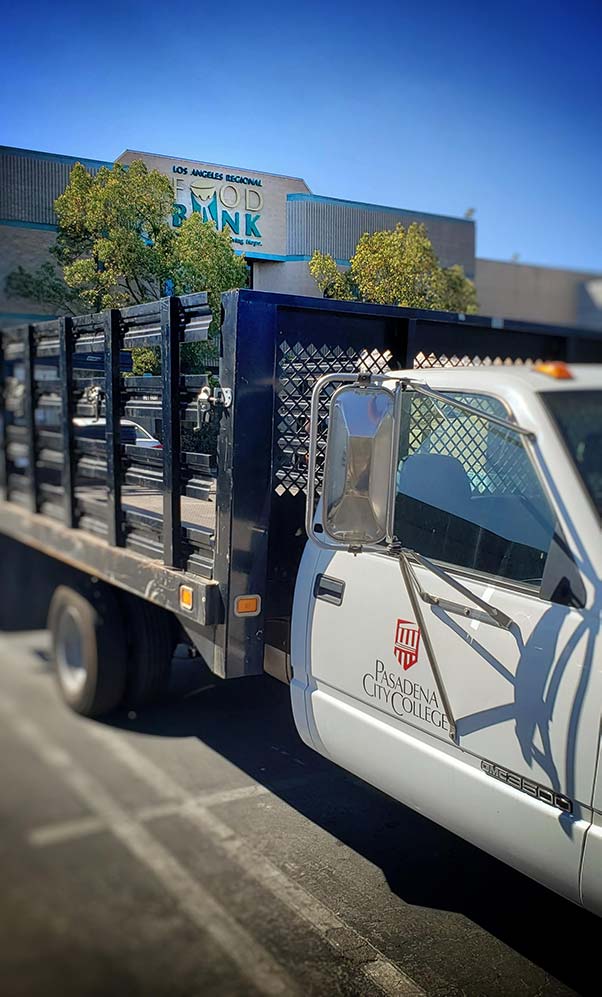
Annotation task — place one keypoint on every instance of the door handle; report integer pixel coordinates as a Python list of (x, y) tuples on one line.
[(329, 589)]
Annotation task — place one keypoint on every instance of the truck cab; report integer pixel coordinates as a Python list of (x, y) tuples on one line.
[(446, 626)]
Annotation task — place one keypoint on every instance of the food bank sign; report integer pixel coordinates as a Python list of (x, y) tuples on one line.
[(232, 201), (249, 206)]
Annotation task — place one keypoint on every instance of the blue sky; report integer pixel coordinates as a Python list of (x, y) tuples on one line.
[(436, 107)]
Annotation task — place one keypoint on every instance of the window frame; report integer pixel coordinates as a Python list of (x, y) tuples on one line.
[(484, 577), (542, 396)]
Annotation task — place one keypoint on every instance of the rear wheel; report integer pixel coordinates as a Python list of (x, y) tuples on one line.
[(152, 642), (89, 648)]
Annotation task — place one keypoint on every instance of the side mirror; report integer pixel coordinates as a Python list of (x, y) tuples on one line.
[(360, 465)]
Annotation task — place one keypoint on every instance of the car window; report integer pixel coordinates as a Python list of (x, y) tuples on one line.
[(467, 491), (98, 431), (94, 431), (141, 434)]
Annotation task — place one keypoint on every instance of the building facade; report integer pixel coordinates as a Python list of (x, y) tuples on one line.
[(277, 222)]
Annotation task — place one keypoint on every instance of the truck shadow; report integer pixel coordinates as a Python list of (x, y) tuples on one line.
[(249, 722)]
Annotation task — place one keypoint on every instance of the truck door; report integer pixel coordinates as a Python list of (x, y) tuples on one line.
[(525, 699)]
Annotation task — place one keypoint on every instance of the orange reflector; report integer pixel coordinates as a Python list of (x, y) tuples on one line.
[(186, 597), (554, 368), (247, 605)]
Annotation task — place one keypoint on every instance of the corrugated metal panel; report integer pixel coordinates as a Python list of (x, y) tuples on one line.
[(29, 187), (336, 228)]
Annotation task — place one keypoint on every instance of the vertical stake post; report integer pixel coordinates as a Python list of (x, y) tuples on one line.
[(112, 332), (3, 457), (29, 403), (172, 476), (67, 415)]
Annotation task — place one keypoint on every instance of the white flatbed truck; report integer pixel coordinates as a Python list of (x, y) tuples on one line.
[(446, 638), (406, 534)]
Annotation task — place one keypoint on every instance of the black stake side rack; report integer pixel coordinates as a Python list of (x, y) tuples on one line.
[(71, 419)]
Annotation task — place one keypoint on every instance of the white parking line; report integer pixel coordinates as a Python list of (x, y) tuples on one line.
[(252, 960), (60, 832), (343, 939), (65, 830), (396, 984)]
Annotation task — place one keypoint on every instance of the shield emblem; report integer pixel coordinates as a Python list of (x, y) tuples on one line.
[(407, 643)]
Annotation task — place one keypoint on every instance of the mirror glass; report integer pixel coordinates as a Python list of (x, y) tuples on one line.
[(357, 473)]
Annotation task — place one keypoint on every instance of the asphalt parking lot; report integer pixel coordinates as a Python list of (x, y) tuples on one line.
[(200, 849)]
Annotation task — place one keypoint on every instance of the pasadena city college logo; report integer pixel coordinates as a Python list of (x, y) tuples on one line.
[(407, 643)]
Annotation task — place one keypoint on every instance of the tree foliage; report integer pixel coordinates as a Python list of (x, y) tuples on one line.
[(116, 247), (397, 267), (204, 259), (45, 286)]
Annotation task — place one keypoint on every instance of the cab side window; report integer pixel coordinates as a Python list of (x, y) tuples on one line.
[(467, 492)]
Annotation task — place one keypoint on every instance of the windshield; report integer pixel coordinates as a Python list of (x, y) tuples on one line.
[(578, 416), (468, 493)]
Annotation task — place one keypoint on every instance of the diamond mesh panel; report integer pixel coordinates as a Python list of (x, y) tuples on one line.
[(299, 367), (493, 457), (442, 360)]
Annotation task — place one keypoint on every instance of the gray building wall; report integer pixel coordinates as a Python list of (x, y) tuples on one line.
[(30, 183), (28, 248), (589, 303), (333, 226), (292, 277), (539, 294)]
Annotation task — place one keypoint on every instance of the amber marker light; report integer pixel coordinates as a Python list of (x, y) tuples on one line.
[(554, 368), (247, 605), (186, 598)]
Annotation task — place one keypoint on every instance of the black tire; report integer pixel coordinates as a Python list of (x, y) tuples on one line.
[(88, 648), (152, 642)]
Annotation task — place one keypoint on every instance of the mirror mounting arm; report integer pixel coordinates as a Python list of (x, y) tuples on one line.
[(497, 616), (414, 588), (441, 399)]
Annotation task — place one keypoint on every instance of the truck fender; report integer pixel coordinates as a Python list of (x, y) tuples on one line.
[(303, 604)]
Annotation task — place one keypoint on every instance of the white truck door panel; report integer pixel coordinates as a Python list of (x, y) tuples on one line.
[(372, 706), (523, 692), (528, 700), (519, 701)]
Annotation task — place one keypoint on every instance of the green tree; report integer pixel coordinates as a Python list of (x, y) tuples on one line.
[(204, 259), (46, 287), (397, 267), (116, 247), (333, 283), (460, 293), (114, 244)]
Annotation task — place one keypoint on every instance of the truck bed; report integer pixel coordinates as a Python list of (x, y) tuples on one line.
[(194, 512), (72, 473)]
